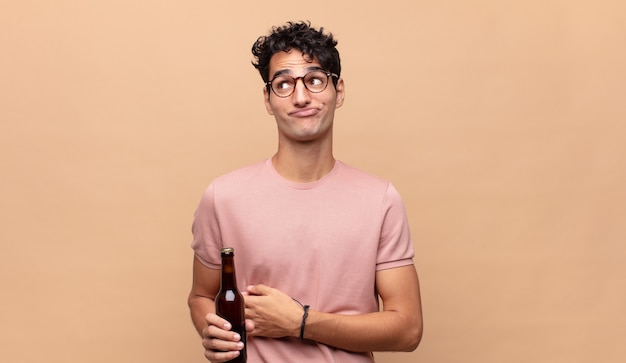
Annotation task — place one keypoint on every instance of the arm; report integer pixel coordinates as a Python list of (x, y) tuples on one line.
[(219, 342), (398, 327), (205, 285)]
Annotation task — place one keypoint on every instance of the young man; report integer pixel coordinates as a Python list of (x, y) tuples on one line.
[(306, 229)]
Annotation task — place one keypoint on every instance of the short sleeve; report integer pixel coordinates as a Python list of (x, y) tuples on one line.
[(395, 247), (206, 231)]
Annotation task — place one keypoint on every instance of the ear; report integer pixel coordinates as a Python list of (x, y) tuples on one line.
[(266, 96), (340, 89)]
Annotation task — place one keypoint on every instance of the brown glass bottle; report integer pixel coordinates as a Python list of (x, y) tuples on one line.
[(229, 301)]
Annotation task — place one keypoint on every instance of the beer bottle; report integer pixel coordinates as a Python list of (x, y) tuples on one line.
[(229, 301)]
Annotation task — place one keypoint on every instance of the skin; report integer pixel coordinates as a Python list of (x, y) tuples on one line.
[(304, 121), (305, 127)]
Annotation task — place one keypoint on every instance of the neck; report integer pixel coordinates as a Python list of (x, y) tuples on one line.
[(303, 163)]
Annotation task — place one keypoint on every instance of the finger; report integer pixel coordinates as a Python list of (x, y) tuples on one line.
[(214, 332), (219, 345), (249, 326), (259, 289), (220, 356), (216, 320)]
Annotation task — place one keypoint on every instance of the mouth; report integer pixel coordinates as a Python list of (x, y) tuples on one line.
[(305, 112)]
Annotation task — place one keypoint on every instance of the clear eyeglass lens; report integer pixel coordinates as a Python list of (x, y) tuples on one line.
[(313, 81)]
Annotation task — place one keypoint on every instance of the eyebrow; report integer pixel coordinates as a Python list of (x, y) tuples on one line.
[(288, 71)]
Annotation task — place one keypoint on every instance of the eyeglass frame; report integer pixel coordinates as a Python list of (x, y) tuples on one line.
[(328, 74)]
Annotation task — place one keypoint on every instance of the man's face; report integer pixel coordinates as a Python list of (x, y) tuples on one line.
[(303, 116)]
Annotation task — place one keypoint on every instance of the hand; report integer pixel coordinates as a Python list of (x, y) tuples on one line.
[(273, 313), (220, 343)]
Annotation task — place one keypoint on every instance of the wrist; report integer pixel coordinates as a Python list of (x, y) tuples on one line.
[(302, 326)]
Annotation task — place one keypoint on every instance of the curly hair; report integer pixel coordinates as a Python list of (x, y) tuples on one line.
[(313, 43)]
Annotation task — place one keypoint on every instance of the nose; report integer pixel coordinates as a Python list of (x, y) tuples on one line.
[(301, 95)]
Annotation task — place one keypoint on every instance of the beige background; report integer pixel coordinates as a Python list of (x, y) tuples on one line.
[(500, 122)]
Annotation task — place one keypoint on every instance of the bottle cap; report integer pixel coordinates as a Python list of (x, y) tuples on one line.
[(228, 251)]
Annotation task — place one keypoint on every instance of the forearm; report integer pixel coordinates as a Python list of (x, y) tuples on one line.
[(397, 328), (199, 307), (380, 331), (206, 283)]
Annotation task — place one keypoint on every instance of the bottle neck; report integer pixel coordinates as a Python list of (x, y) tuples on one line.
[(229, 280)]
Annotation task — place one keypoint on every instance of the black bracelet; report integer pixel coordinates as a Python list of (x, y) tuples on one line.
[(304, 316)]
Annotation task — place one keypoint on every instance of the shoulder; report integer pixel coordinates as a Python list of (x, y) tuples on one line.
[(233, 182), (366, 183), (361, 179)]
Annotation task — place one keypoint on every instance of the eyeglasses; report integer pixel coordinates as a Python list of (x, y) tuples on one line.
[(315, 81)]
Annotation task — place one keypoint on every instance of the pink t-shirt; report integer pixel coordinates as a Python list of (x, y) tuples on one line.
[(320, 242)]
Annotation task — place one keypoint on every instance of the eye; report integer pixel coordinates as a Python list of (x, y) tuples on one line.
[(283, 83), (316, 79)]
